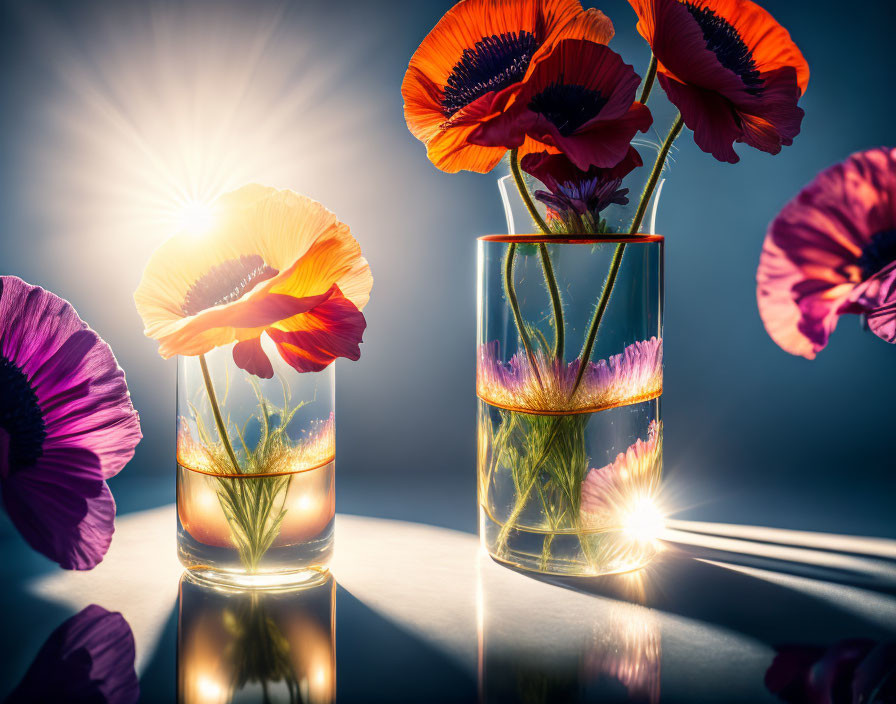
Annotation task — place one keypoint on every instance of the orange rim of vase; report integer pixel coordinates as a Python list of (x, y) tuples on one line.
[(573, 239)]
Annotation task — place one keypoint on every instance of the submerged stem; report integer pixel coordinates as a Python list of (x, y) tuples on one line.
[(510, 292), (216, 412)]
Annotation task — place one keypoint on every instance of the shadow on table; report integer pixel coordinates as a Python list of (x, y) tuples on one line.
[(771, 607)]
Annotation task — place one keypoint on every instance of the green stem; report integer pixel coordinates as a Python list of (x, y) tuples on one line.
[(599, 311), (545, 256), (616, 262), (648, 80), (510, 292), (216, 412), (524, 192)]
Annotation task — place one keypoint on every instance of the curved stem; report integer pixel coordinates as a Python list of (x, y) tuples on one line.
[(510, 292), (648, 80), (556, 302), (545, 256), (524, 192), (216, 412)]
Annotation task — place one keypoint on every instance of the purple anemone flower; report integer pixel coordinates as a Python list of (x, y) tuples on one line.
[(66, 425), (89, 658), (832, 251), (573, 193)]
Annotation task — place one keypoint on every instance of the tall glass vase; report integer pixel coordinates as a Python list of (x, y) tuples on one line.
[(570, 452), (255, 471), (569, 380)]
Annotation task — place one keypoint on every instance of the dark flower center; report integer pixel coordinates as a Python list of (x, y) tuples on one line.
[(20, 416), (723, 40), (567, 107), (226, 282), (878, 253), (493, 64)]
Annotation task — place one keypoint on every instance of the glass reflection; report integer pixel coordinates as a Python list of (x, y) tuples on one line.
[(536, 653), (256, 646)]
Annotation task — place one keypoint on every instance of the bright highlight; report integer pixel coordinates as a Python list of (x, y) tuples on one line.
[(644, 522)]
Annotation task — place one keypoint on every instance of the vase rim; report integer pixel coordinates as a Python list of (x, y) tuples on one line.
[(566, 238)]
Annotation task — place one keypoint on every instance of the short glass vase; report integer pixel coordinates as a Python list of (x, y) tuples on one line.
[(255, 471), (570, 454)]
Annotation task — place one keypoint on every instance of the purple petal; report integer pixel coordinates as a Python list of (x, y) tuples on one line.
[(62, 507), (634, 375), (89, 658), (80, 388), (33, 323)]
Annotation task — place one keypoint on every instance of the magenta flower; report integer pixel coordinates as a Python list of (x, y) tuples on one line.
[(633, 376), (832, 251), (66, 425), (89, 658)]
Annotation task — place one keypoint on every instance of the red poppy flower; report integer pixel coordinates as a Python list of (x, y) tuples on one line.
[(831, 251), (580, 100), (474, 60), (730, 68)]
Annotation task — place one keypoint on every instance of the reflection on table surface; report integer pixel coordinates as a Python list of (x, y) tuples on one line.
[(251, 646), (416, 613)]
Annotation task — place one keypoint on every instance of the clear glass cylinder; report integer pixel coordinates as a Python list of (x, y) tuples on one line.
[(236, 645), (570, 454), (255, 471)]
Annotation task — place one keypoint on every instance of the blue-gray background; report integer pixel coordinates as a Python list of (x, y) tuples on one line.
[(110, 107)]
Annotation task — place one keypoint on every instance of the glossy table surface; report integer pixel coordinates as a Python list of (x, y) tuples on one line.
[(415, 612)]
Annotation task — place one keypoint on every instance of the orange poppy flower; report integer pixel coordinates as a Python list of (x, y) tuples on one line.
[(474, 60), (730, 68), (277, 263)]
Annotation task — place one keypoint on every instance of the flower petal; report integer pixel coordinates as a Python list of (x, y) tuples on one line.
[(810, 270), (249, 356), (81, 391), (310, 342), (278, 228), (35, 323), (878, 298), (461, 36), (62, 507), (89, 658), (730, 68), (709, 115)]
